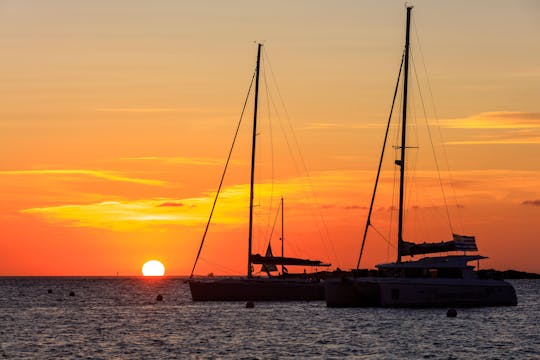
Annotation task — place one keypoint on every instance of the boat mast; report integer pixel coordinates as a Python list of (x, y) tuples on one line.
[(282, 237), (253, 143), (401, 161)]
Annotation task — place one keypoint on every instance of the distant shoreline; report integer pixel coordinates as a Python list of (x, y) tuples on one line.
[(484, 273), (507, 274)]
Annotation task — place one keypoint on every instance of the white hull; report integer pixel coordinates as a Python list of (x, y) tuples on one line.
[(417, 292)]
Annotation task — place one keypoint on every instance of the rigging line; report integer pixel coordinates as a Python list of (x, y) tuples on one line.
[(295, 161), (411, 183), (410, 177), (434, 108), (274, 226), (223, 175), (287, 141), (286, 115), (368, 221), (382, 236), (226, 270), (412, 198), (433, 147), (303, 163), (392, 211), (395, 182), (268, 109), (283, 130)]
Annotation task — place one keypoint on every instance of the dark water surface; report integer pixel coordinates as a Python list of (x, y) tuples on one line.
[(120, 318)]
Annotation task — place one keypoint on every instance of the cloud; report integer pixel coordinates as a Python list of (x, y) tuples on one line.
[(341, 126), (355, 207), (178, 160), (101, 174), (531, 202), (496, 120), (153, 110), (497, 142), (498, 128), (303, 197), (126, 215), (129, 215), (170, 203)]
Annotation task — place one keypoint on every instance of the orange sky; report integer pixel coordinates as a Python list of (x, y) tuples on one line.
[(116, 118)]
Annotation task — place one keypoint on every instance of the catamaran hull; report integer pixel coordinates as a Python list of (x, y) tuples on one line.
[(256, 290), (401, 292)]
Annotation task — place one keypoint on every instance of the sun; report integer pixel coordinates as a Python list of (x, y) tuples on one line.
[(153, 268)]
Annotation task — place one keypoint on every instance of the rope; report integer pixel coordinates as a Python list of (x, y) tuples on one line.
[(304, 168), (395, 175), (382, 236), (434, 108), (433, 148), (368, 221), (222, 176), (274, 226), (272, 161)]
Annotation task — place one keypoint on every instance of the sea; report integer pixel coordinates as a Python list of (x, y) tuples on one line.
[(121, 318)]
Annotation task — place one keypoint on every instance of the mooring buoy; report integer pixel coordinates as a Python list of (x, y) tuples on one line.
[(250, 305), (71, 293), (159, 297), (49, 291), (451, 313)]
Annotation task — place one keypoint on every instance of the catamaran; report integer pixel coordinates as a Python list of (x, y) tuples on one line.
[(446, 280), (283, 287)]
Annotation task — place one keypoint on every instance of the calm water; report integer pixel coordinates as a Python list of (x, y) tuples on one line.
[(120, 318)]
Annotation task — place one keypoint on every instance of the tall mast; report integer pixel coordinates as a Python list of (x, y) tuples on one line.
[(282, 236), (253, 143), (401, 161)]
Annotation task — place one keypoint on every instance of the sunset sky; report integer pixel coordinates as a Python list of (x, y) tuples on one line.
[(116, 118)]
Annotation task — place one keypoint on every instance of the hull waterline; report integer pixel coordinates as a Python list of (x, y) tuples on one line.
[(403, 292), (256, 290)]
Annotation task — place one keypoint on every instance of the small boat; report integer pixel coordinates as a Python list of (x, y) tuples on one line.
[(283, 287), (434, 281)]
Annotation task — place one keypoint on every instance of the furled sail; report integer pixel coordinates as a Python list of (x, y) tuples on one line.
[(278, 260), (460, 243)]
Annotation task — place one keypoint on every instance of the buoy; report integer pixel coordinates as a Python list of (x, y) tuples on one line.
[(451, 313), (49, 291), (250, 305), (71, 293), (159, 297)]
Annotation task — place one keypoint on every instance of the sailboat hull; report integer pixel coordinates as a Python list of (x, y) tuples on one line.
[(256, 289), (418, 292)]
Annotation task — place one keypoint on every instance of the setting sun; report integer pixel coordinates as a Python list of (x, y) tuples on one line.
[(153, 268)]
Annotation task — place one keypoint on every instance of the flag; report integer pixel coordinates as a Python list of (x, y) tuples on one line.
[(465, 243)]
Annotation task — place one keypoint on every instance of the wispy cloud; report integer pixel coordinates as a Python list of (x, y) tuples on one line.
[(332, 191), (170, 203), (496, 120), (498, 141), (531, 202), (128, 215), (340, 126), (502, 127), (101, 174), (154, 110), (123, 215), (356, 207), (178, 160)]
